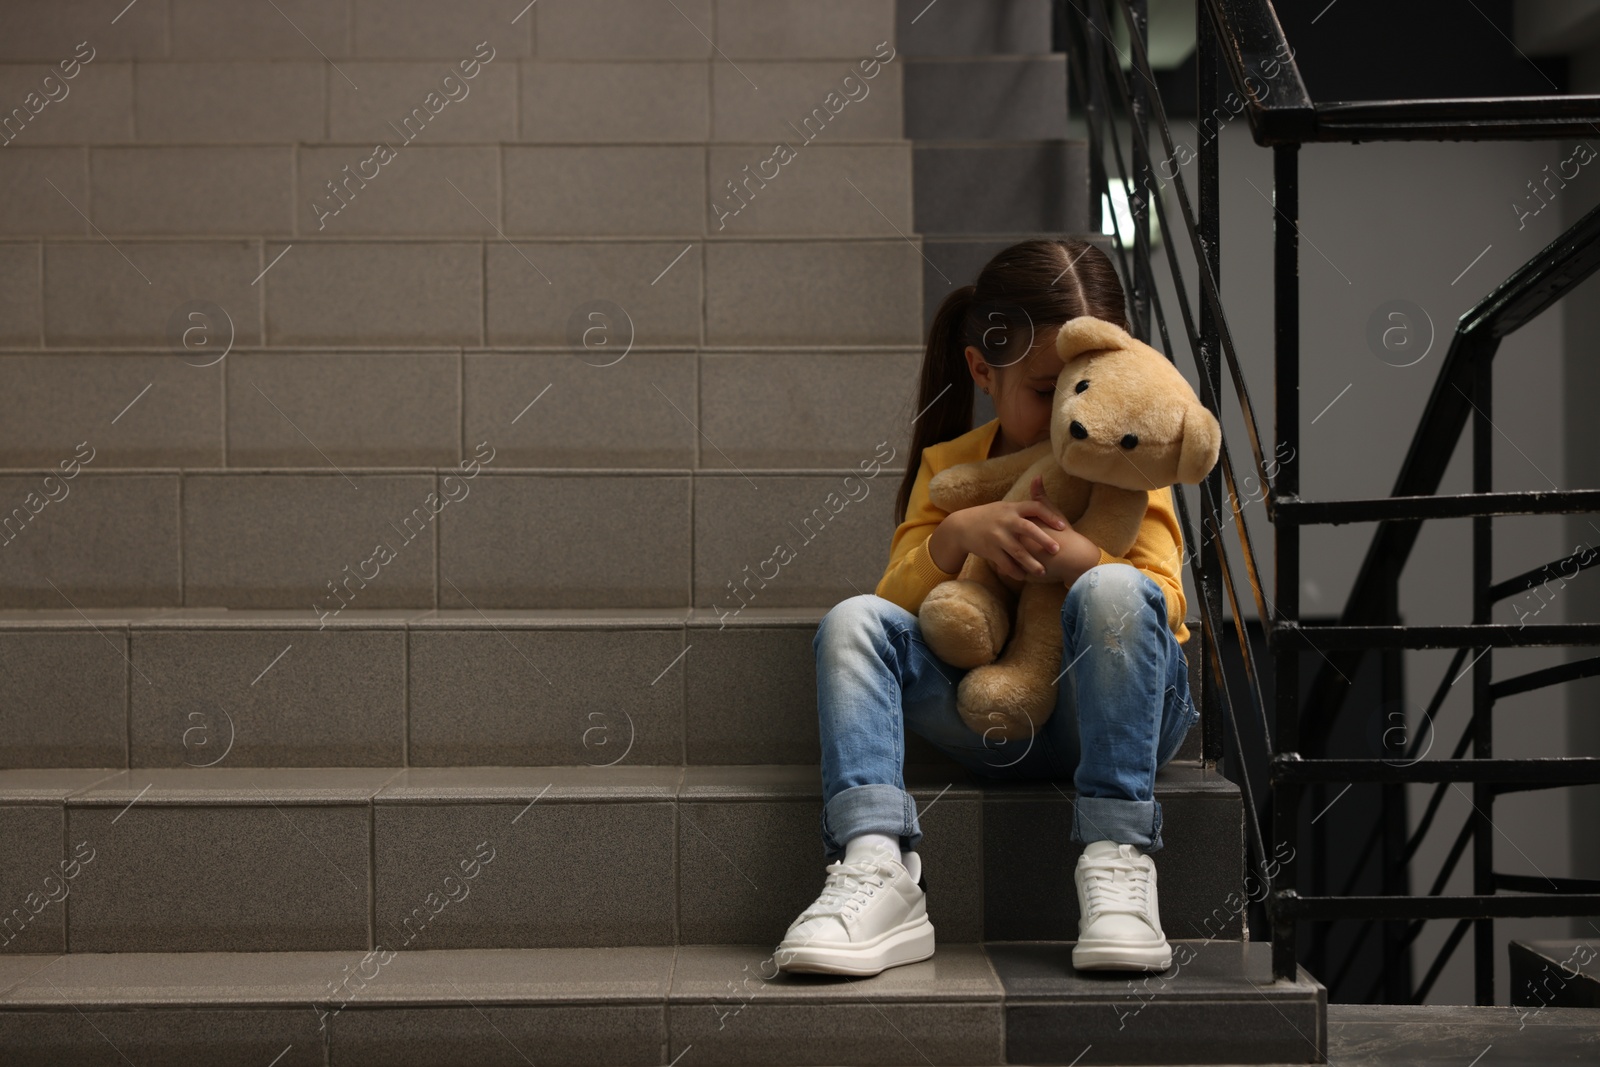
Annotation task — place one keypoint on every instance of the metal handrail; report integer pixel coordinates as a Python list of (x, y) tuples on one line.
[(1253, 39)]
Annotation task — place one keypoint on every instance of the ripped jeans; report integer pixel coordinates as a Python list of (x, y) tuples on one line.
[(1122, 710)]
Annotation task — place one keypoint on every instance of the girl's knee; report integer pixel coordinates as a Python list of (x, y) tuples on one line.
[(1112, 592), (862, 615)]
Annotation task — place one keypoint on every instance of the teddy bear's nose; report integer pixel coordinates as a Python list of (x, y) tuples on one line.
[(1078, 430), (1129, 440)]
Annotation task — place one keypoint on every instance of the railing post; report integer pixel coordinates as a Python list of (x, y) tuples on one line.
[(1094, 109), (1392, 809), (1139, 195), (1209, 360), (1482, 701), (1286, 532)]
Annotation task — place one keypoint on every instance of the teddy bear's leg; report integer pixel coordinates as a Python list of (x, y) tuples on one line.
[(966, 621), (1014, 696)]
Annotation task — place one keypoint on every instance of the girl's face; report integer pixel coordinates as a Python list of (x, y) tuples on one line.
[(1023, 392)]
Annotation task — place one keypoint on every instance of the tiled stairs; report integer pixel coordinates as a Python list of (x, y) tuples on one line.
[(539, 785)]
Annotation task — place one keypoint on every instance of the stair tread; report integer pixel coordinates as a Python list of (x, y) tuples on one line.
[(1564, 959), (225, 618), (209, 786), (710, 348), (1201, 967), (973, 971)]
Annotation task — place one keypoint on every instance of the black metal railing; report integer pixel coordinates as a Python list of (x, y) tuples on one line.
[(1242, 38)]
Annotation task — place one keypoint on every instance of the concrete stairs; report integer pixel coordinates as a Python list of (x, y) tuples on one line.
[(986, 113), (1554, 973), (537, 781)]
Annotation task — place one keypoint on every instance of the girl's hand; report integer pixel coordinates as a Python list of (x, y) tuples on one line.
[(1013, 535), (1036, 491), (1077, 553), (1055, 566)]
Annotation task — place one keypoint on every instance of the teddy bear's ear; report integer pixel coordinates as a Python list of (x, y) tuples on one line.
[(1202, 443), (1089, 334)]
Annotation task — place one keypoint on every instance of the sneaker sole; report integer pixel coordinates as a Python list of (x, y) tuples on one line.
[(1110, 956), (907, 943)]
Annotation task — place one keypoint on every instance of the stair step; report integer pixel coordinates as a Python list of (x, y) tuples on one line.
[(684, 407), (410, 30), (750, 290), (278, 859), (975, 187), (1554, 973), (817, 186), (1437, 1035), (971, 1003), (197, 687), (554, 538), (266, 102), (1013, 28), (999, 97)]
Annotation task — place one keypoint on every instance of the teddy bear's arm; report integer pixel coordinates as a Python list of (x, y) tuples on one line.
[(1054, 481), (1113, 517), (968, 484)]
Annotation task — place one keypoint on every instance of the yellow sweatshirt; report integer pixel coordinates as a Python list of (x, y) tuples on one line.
[(912, 573)]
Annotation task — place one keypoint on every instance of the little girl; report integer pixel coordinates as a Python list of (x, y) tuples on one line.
[(1123, 704)]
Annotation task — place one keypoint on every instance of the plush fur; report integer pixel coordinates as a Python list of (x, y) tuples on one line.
[(1102, 487)]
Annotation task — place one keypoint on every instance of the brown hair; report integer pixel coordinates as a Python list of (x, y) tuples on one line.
[(1034, 284)]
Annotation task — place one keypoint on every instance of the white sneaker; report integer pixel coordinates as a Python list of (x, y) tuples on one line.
[(1119, 921), (872, 914)]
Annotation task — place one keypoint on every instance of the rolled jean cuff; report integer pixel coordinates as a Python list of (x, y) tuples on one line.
[(869, 809), (1130, 822)]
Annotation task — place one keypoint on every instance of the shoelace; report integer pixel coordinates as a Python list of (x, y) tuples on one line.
[(848, 886), (1107, 893)]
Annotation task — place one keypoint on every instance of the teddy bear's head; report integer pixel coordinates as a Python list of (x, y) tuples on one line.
[(1124, 415)]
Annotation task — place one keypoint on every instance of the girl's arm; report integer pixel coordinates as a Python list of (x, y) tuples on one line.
[(1010, 534), (1076, 554), (1158, 552), (912, 572)]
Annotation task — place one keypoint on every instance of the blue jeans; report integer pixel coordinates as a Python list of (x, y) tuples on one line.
[(1122, 710)]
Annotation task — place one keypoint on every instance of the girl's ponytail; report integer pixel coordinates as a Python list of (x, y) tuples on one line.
[(944, 396)]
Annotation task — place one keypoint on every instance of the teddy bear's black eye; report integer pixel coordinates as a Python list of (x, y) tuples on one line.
[(1083, 383)]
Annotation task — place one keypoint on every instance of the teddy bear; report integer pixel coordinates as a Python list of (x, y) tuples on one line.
[(1124, 423)]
